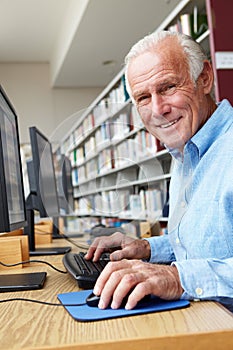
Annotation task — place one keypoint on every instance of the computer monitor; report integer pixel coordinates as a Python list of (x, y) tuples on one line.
[(65, 186), (12, 201), (44, 174), (63, 171), (43, 195)]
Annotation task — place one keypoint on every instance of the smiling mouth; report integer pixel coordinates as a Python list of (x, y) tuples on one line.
[(164, 126)]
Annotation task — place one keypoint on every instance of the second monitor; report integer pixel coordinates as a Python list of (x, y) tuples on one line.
[(43, 195), (64, 185)]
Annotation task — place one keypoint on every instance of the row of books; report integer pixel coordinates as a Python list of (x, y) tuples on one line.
[(148, 203), (86, 135), (91, 146), (126, 153), (102, 136), (120, 127), (135, 149), (112, 102), (135, 119), (193, 24), (93, 167), (125, 121), (110, 132)]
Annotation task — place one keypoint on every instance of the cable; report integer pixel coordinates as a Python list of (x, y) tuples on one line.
[(33, 300), (78, 245), (32, 261), (38, 302)]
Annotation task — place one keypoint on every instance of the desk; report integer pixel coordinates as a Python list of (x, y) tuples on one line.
[(23, 325)]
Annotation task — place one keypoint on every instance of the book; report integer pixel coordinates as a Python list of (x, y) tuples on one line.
[(193, 24)]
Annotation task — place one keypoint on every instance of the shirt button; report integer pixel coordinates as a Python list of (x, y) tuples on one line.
[(177, 241), (182, 204), (199, 291)]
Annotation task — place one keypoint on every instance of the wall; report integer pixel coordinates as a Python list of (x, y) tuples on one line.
[(37, 104)]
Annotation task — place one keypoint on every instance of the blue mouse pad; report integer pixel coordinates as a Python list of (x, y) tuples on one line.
[(88, 313)]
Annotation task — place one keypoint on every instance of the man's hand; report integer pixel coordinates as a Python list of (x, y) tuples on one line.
[(122, 246), (119, 278)]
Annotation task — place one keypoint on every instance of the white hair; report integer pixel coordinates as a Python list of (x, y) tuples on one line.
[(194, 52)]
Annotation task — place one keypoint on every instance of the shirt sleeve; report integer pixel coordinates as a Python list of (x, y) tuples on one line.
[(206, 278), (161, 249)]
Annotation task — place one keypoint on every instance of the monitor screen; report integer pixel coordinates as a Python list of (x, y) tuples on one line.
[(44, 175), (12, 203)]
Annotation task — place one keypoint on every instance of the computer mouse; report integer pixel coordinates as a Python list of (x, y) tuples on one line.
[(93, 300)]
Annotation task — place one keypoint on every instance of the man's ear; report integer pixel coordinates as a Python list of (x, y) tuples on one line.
[(206, 77)]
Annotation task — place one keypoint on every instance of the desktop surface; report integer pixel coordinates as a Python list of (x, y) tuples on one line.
[(24, 325)]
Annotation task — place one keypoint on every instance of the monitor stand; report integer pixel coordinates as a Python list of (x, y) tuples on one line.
[(30, 231)]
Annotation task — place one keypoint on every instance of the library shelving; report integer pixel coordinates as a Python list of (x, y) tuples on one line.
[(120, 172)]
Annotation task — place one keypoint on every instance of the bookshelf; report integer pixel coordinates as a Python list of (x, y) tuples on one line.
[(120, 172)]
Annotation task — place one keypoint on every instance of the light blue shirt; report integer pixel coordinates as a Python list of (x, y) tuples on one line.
[(200, 225)]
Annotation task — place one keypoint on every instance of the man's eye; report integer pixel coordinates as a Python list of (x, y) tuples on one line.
[(142, 99), (168, 89)]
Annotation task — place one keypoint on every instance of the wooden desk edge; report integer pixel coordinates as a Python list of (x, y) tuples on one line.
[(211, 340)]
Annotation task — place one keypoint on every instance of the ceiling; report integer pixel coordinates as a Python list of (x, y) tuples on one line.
[(84, 41)]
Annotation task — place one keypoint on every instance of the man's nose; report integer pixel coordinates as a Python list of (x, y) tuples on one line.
[(159, 105)]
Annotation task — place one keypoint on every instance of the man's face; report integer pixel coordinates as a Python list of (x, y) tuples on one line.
[(171, 105)]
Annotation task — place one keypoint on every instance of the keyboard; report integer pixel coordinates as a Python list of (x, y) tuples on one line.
[(85, 272)]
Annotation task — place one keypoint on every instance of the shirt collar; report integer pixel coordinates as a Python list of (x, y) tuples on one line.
[(216, 125)]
